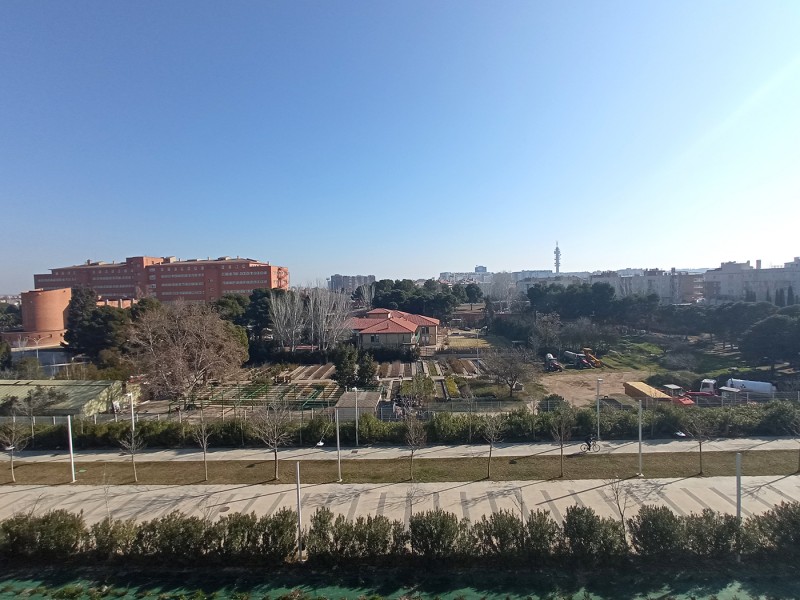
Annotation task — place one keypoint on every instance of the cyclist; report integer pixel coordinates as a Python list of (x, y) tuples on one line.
[(590, 439)]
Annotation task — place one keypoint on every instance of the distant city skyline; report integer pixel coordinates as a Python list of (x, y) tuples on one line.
[(400, 139)]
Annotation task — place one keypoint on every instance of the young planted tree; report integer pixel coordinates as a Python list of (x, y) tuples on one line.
[(415, 438), (13, 438), (271, 425), (34, 401), (697, 426), (201, 434), (793, 429), (494, 427), (132, 443), (562, 421)]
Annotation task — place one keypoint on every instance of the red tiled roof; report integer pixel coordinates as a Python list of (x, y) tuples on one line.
[(418, 319), (393, 325)]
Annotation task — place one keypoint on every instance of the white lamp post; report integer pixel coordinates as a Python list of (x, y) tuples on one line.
[(355, 389), (597, 397), (640, 474), (338, 445)]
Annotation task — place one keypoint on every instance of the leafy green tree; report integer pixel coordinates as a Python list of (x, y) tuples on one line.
[(790, 298), (107, 328), (142, 306), (459, 293), (5, 354), (775, 338), (79, 317), (10, 316), (345, 359), (367, 368), (233, 308), (474, 293)]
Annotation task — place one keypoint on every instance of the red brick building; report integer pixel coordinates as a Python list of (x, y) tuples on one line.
[(168, 279)]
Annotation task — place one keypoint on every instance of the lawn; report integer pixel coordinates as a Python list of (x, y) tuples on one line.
[(520, 468)]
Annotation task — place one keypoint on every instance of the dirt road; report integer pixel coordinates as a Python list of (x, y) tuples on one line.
[(579, 387)]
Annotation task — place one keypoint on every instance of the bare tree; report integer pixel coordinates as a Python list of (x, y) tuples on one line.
[(13, 437), (270, 424), (327, 314), (698, 428), (622, 498), (288, 318), (415, 438), (366, 292), (33, 402), (181, 348), (494, 427), (132, 444), (562, 421), (508, 367), (201, 434)]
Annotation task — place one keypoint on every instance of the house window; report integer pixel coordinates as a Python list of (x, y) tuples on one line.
[(425, 331), (374, 339)]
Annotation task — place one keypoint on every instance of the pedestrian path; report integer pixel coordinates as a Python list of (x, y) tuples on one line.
[(327, 452), (399, 501)]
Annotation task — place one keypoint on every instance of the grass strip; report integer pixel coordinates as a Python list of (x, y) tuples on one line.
[(520, 468)]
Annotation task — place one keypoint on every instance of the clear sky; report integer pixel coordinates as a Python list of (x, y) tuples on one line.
[(399, 139)]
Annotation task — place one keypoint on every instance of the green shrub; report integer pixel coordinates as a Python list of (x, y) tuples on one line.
[(176, 538), (235, 537), (656, 532), (438, 535), (591, 539), (277, 535), (775, 533), (501, 536), (711, 534), (112, 539), (55, 535), (542, 536)]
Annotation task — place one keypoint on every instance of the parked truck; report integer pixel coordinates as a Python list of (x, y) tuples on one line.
[(751, 387)]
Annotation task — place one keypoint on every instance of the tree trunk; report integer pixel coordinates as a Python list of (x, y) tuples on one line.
[(489, 464), (13, 477), (412, 466), (276, 462), (562, 460), (133, 462), (205, 464), (701, 458)]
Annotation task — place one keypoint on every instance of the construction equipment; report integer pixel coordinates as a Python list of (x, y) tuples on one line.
[(576, 360), (551, 365), (593, 360)]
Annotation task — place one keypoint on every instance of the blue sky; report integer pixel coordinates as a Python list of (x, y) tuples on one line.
[(399, 139)]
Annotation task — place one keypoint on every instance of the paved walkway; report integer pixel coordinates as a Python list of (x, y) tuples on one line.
[(397, 501), (458, 451)]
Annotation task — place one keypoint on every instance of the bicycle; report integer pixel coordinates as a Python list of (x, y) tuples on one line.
[(594, 447)]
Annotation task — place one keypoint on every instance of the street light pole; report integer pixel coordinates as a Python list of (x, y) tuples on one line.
[(355, 389), (338, 445), (597, 397)]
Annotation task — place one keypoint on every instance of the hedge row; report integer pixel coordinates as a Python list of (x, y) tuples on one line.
[(773, 418), (655, 534)]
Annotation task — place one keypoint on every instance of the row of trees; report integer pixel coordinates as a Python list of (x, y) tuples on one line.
[(655, 535), (432, 299)]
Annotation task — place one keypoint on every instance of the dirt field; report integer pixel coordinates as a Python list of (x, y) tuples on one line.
[(579, 387)]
